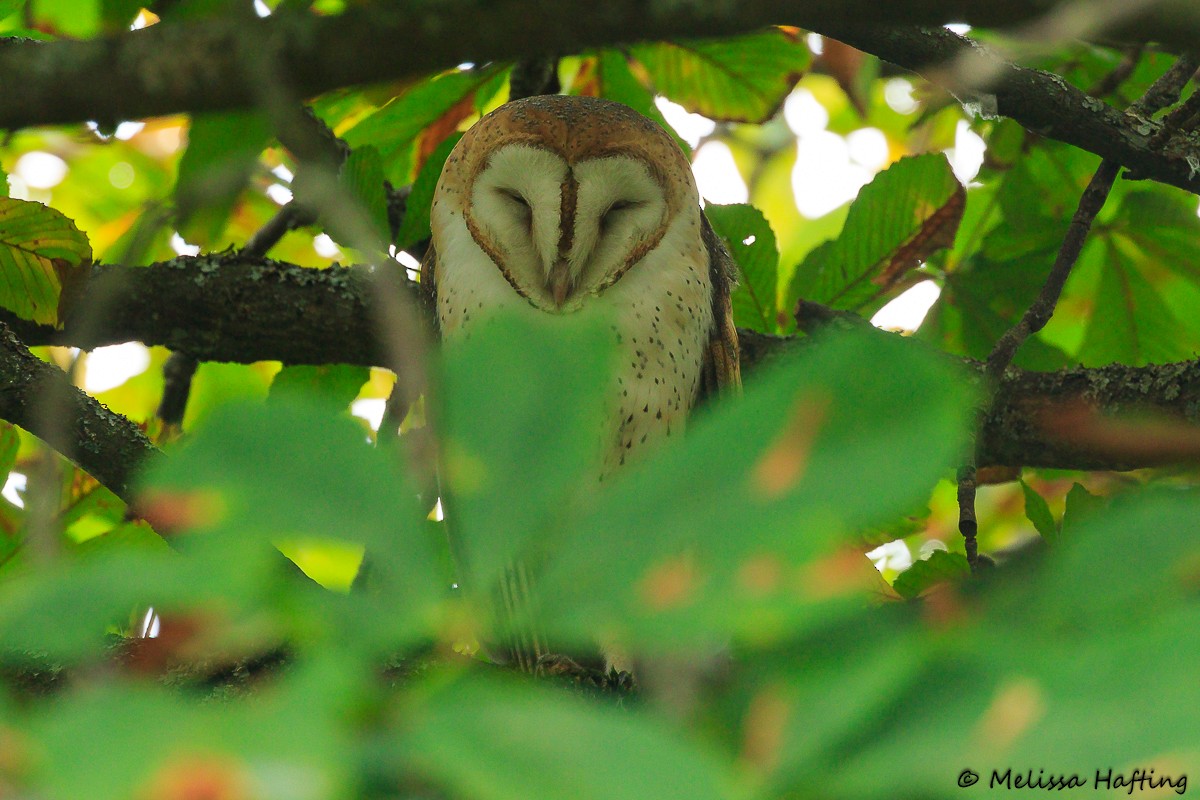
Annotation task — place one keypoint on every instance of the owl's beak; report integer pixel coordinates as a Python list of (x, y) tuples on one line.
[(559, 282)]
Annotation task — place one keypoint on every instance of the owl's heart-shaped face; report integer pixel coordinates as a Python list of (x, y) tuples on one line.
[(563, 231), (564, 196)]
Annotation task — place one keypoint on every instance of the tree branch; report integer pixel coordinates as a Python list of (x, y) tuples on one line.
[(193, 66), (1040, 101), (38, 397), (227, 308), (223, 308)]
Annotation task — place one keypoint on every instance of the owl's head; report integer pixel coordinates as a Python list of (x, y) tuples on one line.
[(565, 194)]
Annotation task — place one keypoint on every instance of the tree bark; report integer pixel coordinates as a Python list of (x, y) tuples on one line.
[(197, 66), (227, 308)]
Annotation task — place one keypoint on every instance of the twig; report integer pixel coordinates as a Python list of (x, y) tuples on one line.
[(1163, 92), (291, 216), (1119, 74), (178, 372), (1040, 311)]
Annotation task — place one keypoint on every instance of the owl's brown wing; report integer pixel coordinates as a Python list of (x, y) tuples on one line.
[(722, 366)]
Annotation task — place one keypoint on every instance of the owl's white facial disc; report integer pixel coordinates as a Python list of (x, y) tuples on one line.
[(558, 233)]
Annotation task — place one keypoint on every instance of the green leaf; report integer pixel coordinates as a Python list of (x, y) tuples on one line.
[(608, 75), (1034, 660), (925, 573), (1038, 512), (755, 298), (415, 226), (79, 19), (982, 300), (656, 560), (1081, 505), (290, 741), (552, 745), (362, 177), (41, 251), (223, 149), (394, 128), (737, 79), (1130, 321), (292, 470), (291, 466), (10, 443), (1164, 226), (908, 212), (517, 451), (335, 384)]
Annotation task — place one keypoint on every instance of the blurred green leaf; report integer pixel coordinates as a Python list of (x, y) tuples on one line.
[(415, 226), (222, 152), (1038, 513), (737, 79), (512, 472), (118, 15), (552, 745), (289, 741), (925, 573), (292, 467), (41, 253), (752, 242), (908, 212), (1045, 672), (292, 470), (745, 527), (335, 384)]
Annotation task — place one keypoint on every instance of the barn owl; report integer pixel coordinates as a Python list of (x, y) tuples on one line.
[(573, 206)]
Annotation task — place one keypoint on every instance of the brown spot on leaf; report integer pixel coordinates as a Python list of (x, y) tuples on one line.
[(170, 512), (764, 728), (671, 584), (199, 777), (1017, 707), (761, 574), (845, 571), (782, 465)]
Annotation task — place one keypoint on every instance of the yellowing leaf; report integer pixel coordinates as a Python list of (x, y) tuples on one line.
[(40, 251)]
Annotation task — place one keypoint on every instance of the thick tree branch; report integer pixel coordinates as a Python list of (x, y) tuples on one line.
[(232, 309), (223, 308), (1039, 101), (38, 397), (193, 66)]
